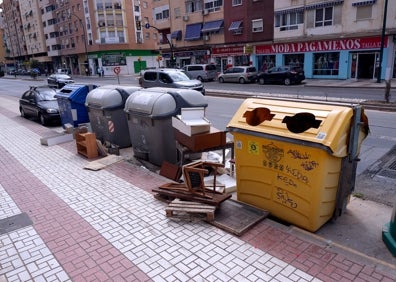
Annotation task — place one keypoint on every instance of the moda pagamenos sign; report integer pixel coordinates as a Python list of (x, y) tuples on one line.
[(322, 46)]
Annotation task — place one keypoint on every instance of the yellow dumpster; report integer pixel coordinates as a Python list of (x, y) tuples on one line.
[(297, 159)]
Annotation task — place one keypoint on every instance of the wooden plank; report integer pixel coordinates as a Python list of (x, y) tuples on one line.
[(190, 207)]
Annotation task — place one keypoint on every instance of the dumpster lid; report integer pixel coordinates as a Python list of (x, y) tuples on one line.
[(185, 98), (154, 103), (322, 123), (109, 96), (75, 92)]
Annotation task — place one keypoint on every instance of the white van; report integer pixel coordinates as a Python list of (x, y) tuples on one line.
[(202, 72)]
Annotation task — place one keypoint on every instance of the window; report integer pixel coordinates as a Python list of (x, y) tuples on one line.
[(113, 59), (324, 17), (326, 63), (213, 5), (257, 25), (289, 21), (363, 12), (193, 6), (236, 2)]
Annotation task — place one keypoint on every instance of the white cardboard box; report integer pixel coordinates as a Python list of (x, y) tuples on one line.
[(191, 121)]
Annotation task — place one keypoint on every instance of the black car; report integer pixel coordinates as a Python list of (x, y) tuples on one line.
[(39, 102), (59, 80), (284, 74)]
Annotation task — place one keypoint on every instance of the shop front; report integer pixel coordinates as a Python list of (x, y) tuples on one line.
[(345, 58), (188, 57), (225, 57)]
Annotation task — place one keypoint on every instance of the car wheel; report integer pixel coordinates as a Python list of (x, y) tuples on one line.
[(242, 80), (221, 80), (59, 85), (23, 114), (287, 81), (42, 119), (261, 81)]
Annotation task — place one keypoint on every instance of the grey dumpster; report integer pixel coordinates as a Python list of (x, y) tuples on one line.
[(149, 113), (105, 106)]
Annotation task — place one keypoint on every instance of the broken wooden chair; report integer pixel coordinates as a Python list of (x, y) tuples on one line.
[(194, 174)]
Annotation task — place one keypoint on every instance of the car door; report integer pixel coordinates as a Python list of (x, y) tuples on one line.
[(271, 74), (278, 75), (28, 102)]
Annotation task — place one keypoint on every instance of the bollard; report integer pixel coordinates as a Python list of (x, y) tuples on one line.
[(389, 233)]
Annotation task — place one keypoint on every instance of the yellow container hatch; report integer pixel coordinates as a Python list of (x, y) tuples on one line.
[(290, 157)]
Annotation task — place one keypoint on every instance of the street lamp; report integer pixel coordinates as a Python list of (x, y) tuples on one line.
[(85, 37), (172, 59), (382, 42)]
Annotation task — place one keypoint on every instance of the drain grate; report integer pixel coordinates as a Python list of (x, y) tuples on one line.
[(392, 166), (14, 222)]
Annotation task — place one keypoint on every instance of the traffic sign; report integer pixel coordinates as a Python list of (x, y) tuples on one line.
[(147, 25), (117, 70)]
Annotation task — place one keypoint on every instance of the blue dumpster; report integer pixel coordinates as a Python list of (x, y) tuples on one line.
[(71, 100)]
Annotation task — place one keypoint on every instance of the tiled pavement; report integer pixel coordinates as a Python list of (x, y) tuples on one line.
[(107, 226)]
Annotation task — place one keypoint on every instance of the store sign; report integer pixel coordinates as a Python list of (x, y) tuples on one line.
[(322, 46), (227, 51)]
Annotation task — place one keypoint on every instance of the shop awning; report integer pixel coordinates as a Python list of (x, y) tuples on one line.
[(177, 34), (235, 25), (212, 26), (364, 3), (324, 5), (290, 11), (193, 31)]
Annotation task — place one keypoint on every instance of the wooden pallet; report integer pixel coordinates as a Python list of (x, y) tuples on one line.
[(190, 207)]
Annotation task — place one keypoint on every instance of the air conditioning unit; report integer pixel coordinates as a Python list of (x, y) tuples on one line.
[(205, 12), (186, 18), (139, 40), (206, 37)]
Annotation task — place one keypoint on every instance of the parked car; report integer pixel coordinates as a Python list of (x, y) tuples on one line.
[(171, 78), (39, 102), (59, 80), (202, 72), (282, 74), (242, 74)]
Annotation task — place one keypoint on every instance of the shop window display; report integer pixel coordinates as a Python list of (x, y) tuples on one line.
[(326, 63)]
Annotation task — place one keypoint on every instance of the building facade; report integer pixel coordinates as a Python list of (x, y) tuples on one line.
[(332, 39)]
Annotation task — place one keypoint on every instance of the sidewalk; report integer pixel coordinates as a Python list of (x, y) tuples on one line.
[(83, 225)]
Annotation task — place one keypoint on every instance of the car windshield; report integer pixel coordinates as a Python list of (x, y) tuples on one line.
[(178, 76), (46, 95), (63, 76)]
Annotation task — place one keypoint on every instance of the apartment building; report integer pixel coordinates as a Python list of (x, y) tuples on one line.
[(332, 39)]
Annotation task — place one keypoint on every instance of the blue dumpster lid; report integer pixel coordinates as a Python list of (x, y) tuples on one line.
[(155, 104), (109, 96), (75, 92)]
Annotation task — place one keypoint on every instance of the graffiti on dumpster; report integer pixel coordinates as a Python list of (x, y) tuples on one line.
[(283, 197), (297, 174), (309, 165), (273, 153), (272, 165), (295, 154), (286, 180)]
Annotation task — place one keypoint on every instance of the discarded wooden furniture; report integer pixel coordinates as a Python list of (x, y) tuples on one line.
[(194, 187), (183, 151), (86, 145), (185, 207)]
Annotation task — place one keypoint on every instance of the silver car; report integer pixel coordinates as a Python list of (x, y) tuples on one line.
[(241, 74), (171, 78), (202, 72)]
